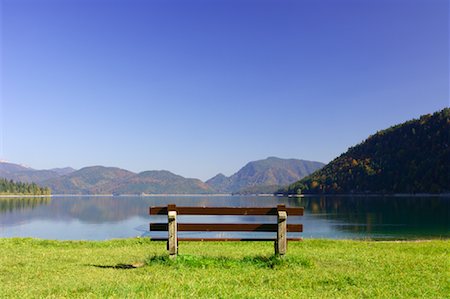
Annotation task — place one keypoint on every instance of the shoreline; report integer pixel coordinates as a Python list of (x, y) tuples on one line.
[(369, 195), (229, 194), (23, 196), (374, 240)]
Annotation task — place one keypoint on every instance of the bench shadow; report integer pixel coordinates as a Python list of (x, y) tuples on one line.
[(194, 261), (119, 266), (197, 261)]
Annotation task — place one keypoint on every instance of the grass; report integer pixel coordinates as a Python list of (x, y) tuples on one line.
[(138, 268)]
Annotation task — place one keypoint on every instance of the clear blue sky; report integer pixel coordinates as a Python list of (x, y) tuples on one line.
[(201, 87)]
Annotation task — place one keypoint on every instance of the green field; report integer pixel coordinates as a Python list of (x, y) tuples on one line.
[(31, 268)]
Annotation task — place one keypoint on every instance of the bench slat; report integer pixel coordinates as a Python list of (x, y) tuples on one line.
[(224, 239), (227, 227), (296, 211)]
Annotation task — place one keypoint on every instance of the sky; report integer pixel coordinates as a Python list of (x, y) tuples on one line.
[(201, 87)]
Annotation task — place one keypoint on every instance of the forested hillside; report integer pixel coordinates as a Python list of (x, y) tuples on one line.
[(412, 157), (9, 187)]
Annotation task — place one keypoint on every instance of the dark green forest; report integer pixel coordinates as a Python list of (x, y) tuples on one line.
[(412, 157), (11, 187)]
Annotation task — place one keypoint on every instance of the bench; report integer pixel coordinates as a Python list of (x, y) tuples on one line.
[(172, 226)]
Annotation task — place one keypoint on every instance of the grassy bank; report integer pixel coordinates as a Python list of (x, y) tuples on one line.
[(139, 268)]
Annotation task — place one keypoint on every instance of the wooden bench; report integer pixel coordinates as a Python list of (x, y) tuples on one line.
[(173, 227)]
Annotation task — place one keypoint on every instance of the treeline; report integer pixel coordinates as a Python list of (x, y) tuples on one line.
[(412, 157), (10, 187)]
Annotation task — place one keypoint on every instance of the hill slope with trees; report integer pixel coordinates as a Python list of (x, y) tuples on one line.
[(412, 157)]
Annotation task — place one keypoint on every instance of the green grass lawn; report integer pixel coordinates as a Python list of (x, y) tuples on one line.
[(140, 268)]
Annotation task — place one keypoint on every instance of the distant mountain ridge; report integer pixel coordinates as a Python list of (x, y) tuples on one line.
[(88, 180), (113, 180), (20, 173), (162, 182), (264, 175), (412, 157)]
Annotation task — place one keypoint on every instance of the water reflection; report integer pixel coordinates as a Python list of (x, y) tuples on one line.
[(384, 217), (89, 210), (9, 204), (325, 217)]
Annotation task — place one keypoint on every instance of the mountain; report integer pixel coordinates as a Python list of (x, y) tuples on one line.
[(161, 182), (220, 183), (412, 157), (6, 167), (89, 180), (111, 180), (21, 173), (265, 175)]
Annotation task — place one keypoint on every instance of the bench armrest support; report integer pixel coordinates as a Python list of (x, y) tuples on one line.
[(281, 243), (172, 220)]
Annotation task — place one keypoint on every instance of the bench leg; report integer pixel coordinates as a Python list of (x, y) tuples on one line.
[(173, 246), (281, 243)]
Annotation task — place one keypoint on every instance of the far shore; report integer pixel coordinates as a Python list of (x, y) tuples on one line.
[(371, 195), (229, 194), (23, 196)]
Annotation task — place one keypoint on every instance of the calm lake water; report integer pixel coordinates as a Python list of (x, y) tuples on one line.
[(99, 218)]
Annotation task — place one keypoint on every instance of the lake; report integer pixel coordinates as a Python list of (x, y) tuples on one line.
[(344, 217)]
